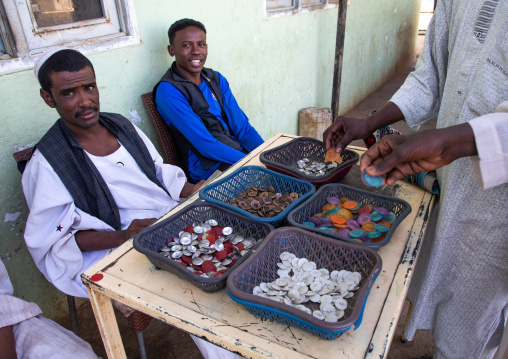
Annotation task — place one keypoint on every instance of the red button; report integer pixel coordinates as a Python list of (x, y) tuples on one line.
[(229, 247), (221, 255), (211, 238), (96, 277), (208, 266), (198, 268)]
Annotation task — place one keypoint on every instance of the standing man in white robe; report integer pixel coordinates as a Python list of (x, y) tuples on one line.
[(460, 285)]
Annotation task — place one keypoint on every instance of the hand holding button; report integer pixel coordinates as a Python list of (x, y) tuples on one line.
[(397, 156)]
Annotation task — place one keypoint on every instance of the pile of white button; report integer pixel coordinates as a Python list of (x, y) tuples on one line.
[(300, 282)]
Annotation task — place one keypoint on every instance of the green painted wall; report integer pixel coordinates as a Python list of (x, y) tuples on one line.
[(275, 68)]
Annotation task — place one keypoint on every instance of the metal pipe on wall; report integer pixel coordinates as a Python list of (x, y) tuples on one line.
[(339, 54)]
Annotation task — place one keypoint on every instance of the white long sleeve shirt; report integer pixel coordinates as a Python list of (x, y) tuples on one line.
[(54, 219)]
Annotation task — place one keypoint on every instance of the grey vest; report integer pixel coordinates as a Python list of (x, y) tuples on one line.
[(200, 106), (80, 176)]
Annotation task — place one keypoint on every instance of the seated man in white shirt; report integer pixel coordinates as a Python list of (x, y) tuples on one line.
[(94, 180)]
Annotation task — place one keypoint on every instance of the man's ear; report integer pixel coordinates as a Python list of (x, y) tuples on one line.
[(46, 96), (171, 50)]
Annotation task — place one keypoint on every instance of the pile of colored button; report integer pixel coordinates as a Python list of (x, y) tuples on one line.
[(363, 223), (206, 248)]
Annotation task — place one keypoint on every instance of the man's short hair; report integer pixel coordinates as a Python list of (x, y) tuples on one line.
[(64, 60), (183, 24)]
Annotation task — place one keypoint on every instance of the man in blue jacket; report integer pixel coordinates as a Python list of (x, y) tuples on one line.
[(210, 129)]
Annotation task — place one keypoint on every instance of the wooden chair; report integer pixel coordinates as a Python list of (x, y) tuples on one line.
[(170, 153), (21, 158), (138, 321)]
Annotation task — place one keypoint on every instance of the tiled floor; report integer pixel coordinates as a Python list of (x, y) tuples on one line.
[(164, 341)]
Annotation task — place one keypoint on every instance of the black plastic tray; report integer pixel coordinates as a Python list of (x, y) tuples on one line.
[(152, 238), (326, 253), (316, 202), (221, 191), (284, 159)]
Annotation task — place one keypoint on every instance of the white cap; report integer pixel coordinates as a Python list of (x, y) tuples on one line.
[(44, 57)]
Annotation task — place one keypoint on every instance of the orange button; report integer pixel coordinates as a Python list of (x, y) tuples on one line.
[(345, 213), (338, 219), (350, 204), (386, 223), (368, 226)]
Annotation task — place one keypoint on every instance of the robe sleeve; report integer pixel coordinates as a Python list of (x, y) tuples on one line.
[(172, 177), (51, 225), (491, 136), (419, 97), (13, 310)]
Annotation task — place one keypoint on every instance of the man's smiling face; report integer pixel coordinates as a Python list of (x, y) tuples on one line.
[(190, 51)]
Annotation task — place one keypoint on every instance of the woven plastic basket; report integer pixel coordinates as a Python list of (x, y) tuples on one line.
[(220, 192), (315, 203), (284, 159), (327, 253), (152, 238)]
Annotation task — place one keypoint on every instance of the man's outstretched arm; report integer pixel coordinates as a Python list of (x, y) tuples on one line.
[(344, 130)]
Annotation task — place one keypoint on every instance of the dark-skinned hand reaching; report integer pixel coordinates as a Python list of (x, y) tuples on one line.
[(397, 156), (344, 130)]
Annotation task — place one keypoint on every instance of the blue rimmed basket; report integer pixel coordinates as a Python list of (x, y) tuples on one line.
[(221, 191), (327, 253), (152, 238), (316, 202), (284, 159)]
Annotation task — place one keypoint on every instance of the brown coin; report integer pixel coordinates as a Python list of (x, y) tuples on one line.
[(267, 200)]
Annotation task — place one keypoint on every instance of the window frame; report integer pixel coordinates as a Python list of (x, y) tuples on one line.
[(22, 57), (5, 36), (297, 8)]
